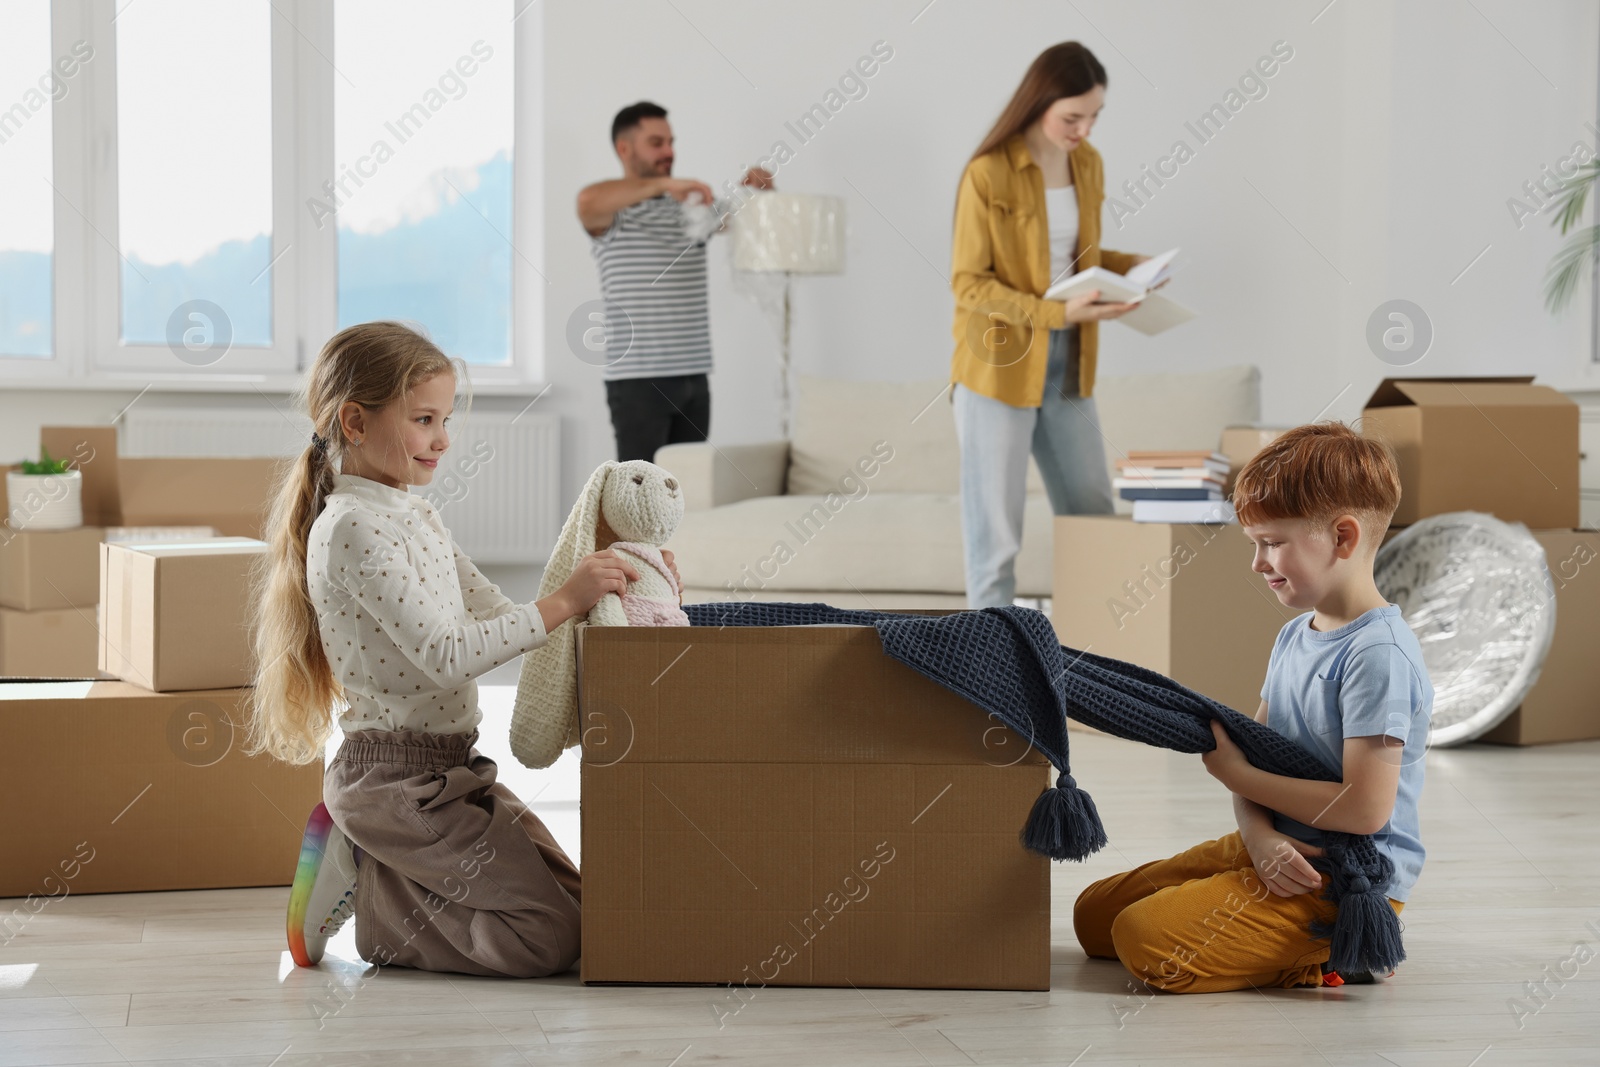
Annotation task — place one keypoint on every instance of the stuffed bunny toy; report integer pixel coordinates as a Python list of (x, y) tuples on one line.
[(631, 508)]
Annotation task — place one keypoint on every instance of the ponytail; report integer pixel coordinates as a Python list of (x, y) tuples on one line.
[(294, 687)]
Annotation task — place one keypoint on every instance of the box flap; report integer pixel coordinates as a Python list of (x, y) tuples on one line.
[(1397, 392), (1482, 394)]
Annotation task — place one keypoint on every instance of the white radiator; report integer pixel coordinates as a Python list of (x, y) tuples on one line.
[(498, 489)]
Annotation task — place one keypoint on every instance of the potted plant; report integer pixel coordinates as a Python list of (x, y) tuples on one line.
[(47, 495), (1582, 249)]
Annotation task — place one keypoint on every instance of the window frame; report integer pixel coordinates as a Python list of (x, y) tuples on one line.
[(86, 268)]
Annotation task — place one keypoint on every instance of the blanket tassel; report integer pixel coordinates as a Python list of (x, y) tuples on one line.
[(1366, 931), (1064, 824)]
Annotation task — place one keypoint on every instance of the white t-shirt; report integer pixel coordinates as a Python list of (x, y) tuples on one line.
[(407, 621), (1061, 211)]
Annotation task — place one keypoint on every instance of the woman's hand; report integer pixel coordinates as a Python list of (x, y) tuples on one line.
[(1281, 862), (1084, 309)]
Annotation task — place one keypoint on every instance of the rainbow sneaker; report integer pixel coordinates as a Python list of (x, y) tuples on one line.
[(323, 896)]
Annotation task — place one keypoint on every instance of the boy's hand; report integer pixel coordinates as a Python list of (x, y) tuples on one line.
[(1227, 759), (1281, 862)]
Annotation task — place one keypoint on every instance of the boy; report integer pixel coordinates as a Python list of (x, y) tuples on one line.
[(1346, 680)]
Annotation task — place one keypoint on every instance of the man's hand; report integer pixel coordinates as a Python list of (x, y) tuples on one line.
[(680, 188), (1281, 862), (758, 178), (1227, 759)]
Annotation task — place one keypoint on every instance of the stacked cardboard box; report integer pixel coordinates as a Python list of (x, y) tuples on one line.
[(48, 594), (122, 787), (771, 805), (1509, 448), (118, 789)]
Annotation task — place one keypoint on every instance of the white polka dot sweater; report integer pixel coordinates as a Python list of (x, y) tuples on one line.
[(408, 623)]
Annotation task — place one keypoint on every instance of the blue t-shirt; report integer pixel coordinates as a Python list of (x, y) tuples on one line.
[(1363, 679)]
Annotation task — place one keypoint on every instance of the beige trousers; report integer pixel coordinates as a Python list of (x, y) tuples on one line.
[(458, 875)]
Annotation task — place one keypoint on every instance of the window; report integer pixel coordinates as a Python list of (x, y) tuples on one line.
[(422, 189), (203, 191), (29, 84), (194, 174)]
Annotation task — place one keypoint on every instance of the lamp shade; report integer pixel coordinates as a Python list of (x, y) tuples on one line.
[(790, 232)]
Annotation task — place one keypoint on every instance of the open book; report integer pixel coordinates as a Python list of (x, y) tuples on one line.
[(1155, 312)]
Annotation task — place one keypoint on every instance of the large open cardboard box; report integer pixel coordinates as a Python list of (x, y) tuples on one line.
[(790, 806), (1174, 597), (114, 788), (1500, 445)]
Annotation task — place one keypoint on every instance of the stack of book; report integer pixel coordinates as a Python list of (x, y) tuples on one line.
[(1177, 486)]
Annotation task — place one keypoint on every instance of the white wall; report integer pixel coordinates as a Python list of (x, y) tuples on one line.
[(1377, 167)]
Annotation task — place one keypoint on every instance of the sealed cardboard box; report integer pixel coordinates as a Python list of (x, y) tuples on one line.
[(41, 570), (1176, 598), (178, 615), (790, 806), (114, 788), (63, 643), (1564, 704), (1499, 445)]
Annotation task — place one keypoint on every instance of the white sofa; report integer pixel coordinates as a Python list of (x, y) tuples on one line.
[(822, 517)]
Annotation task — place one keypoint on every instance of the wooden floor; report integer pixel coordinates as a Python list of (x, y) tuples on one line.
[(1510, 896)]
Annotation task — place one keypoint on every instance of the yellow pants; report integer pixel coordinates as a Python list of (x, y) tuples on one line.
[(1204, 922)]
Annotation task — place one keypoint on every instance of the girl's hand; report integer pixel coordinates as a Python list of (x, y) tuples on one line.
[(1084, 309), (1281, 862), (1227, 759), (666, 557), (596, 575)]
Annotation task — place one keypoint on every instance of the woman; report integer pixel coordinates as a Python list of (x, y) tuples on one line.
[(1028, 214)]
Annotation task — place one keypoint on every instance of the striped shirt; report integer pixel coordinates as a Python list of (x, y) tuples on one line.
[(653, 283)]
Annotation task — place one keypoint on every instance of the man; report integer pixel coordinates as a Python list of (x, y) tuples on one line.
[(653, 282)]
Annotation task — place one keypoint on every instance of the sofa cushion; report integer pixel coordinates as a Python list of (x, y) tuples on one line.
[(894, 541), (837, 422)]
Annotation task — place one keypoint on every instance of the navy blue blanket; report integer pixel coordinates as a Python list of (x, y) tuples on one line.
[(1008, 662)]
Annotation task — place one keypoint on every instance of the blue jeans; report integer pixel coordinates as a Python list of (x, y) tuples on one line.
[(1063, 435)]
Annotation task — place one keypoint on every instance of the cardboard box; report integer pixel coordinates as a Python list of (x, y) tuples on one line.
[(790, 806), (117, 789), (147, 534), (41, 570), (91, 450), (1239, 443), (178, 615), (1500, 445), (232, 495), (1176, 598), (49, 644), (1564, 704)]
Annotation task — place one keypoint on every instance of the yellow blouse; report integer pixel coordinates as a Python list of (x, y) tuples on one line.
[(1000, 268)]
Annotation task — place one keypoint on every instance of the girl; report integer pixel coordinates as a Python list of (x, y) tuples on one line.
[(368, 608), (1028, 215)]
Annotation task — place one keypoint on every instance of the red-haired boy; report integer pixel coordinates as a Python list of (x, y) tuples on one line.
[(1346, 680)]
